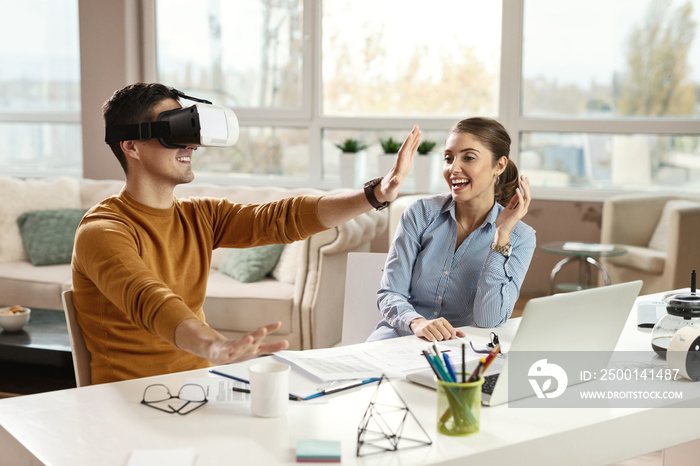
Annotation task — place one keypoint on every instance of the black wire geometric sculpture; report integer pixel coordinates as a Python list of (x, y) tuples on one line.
[(384, 423)]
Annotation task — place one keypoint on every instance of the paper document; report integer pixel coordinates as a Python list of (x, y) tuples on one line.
[(218, 389), (342, 363), (301, 383), (409, 357), (587, 247)]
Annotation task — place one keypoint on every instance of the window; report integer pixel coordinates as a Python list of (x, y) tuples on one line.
[(439, 60), (611, 59), (40, 89), (246, 53), (371, 77), (614, 101)]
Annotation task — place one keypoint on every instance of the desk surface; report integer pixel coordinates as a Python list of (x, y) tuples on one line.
[(103, 424)]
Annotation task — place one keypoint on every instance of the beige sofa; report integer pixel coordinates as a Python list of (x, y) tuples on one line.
[(660, 233), (305, 290)]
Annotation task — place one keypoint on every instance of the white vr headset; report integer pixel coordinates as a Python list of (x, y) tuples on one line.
[(202, 124)]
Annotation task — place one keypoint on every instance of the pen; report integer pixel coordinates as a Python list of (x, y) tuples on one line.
[(450, 368), (431, 364), (491, 357), (436, 366), (475, 375), (347, 386), (228, 376), (437, 352), (464, 365), (245, 390), (441, 369), (442, 365)]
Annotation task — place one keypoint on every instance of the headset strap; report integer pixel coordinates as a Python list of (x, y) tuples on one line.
[(141, 131)]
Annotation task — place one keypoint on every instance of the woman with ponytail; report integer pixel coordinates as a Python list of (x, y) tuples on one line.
[(460, 258)]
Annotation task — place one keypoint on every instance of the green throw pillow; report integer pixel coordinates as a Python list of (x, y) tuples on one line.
[(251, 264), (48, 235)]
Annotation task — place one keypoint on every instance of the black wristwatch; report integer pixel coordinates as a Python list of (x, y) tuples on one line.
[(369, 193)]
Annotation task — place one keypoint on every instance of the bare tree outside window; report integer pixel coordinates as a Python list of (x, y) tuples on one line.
[(658, 81)]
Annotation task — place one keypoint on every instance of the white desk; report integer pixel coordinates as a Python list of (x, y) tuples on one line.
[(103, 424)]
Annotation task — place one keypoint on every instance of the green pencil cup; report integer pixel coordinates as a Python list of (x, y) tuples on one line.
[(458, 407)]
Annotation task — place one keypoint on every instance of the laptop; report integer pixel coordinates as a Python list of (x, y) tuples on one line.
[(588, 320)]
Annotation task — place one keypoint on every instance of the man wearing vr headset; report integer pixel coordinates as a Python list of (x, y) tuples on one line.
[(141, 258)]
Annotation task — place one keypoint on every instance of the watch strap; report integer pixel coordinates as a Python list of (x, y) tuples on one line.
[(369, 194), (505, 250)]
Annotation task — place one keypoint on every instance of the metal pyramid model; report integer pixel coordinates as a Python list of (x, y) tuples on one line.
[(388, 424)]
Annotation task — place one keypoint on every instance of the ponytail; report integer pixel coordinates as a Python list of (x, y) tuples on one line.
[(507, 183)]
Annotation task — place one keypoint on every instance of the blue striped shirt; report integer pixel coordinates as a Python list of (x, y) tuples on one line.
[(425, 277)]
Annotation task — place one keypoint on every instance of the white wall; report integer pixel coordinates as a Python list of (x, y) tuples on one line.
[(110, 58)]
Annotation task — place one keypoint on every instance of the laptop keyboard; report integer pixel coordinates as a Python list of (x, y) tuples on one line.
[(489, 383)]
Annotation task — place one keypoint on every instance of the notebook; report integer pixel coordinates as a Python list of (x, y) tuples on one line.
[(588, 320)]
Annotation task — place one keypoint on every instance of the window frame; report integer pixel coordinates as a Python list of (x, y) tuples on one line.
[(509, 107)]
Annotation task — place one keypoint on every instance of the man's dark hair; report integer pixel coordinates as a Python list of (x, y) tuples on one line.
[(132, 105)]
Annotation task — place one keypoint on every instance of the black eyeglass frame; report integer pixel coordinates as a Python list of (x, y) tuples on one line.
[(489, 346), (172, 410)]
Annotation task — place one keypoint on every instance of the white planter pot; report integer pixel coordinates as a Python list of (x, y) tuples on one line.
[(426, 172), (352, 169)]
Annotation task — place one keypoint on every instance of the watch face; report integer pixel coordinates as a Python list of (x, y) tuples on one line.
[(373, 183)]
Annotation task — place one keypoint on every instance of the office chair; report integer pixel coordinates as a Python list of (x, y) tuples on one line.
[(360, 313), (81, 355)]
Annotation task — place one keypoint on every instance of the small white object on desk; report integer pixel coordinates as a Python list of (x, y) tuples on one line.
[(649, 313)]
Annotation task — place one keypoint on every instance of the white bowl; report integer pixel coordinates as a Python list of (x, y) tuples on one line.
[(14, 322)]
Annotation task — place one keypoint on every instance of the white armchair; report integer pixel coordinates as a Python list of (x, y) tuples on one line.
[(661, 239)]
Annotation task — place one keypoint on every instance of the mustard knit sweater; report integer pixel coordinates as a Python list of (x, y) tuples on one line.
[(138, 272)]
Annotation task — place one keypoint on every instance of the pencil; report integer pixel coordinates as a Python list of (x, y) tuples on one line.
[(491, 357), (475, 375), (431, 364), (464, 364)]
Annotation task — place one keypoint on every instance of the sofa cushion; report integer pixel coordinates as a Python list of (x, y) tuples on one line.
[(645, 259), (21, 196), (234, 306), (659, 239), (48, 235), (35, 287), (251, 264), (288, 265), (92, 192)]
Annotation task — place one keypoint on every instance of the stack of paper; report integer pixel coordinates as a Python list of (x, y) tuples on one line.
[(318, 451), (587, 247)]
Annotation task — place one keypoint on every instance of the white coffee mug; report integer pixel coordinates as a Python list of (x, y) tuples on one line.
[(269, 389)]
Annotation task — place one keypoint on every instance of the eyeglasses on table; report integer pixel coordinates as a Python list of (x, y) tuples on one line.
[(489, 346), (192, 395)]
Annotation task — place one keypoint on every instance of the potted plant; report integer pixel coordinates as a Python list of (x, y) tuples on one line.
[(351, 146), (426, 147), (425, 166), (352, 162), (390, 147)]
